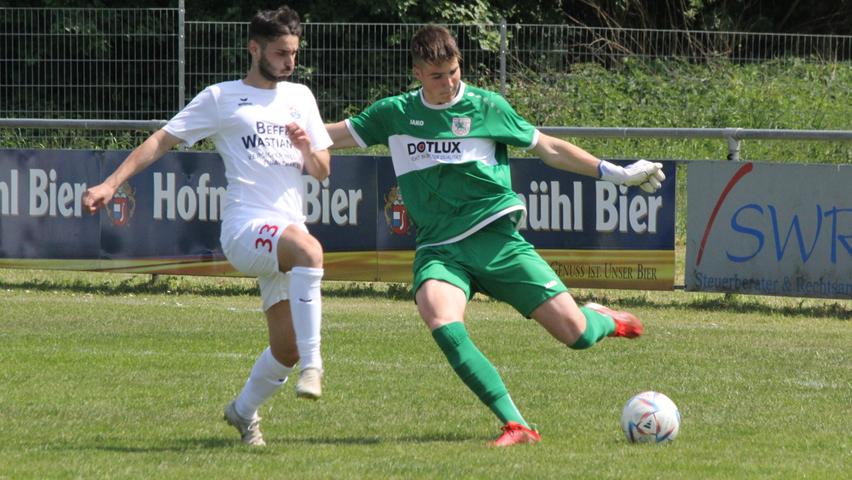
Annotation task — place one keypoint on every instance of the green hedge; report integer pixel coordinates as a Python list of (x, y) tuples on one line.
[(781, 94), (784, 94)]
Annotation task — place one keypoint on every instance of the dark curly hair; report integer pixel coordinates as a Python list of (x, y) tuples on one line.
[(267, 25)]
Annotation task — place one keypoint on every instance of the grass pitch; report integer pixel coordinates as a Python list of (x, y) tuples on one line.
[(110, 376)]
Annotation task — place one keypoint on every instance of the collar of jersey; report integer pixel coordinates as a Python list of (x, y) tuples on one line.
[(447, 105), (278, 85)]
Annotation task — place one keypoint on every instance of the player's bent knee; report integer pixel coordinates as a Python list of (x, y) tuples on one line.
[(310, 250), (306, 252), (310, 257)]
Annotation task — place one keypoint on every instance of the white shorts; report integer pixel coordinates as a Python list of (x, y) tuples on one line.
[(252, 248)]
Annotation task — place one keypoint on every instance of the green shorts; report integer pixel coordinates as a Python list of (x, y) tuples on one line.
[(496, 261)]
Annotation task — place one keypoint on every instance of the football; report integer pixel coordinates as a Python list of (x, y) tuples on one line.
[(650, 417)]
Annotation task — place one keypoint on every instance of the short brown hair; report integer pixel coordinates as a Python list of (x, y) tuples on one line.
[(268, 25), (434, 44)]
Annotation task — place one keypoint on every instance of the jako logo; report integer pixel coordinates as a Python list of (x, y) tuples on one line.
[(416, 123), (434, 147)]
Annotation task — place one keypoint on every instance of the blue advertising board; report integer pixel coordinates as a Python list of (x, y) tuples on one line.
[(166, 219)]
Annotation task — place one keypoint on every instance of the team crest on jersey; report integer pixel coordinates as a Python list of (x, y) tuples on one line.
[(461, 126), (396, 215), (122, 206)]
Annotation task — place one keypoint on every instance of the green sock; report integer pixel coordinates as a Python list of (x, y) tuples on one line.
[(476, 371), (598, 326)]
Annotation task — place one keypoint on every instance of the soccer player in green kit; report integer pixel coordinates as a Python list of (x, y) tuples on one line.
[(448, 141)]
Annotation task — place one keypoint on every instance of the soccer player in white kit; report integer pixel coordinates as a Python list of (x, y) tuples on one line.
[(267, 131)]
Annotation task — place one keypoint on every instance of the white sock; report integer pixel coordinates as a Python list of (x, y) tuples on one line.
[(306, 308), (267, 376)]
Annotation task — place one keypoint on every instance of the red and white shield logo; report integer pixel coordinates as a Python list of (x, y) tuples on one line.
[(122, 206), (119, 211), (399, 219)]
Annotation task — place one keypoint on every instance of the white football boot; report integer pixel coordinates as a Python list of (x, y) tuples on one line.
[(309, 384), (249, 428)]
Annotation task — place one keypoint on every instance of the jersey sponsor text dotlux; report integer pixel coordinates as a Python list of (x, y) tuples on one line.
[(434, 147)]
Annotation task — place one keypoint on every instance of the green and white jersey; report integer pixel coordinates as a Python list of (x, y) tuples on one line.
[(450, 160)]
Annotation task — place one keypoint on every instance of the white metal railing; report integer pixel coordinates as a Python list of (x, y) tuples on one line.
[(733, 136)]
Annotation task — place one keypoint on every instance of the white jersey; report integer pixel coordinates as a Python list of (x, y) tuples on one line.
[(247, 125)]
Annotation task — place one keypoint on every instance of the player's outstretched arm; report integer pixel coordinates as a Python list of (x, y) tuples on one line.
[(340, 135), (145, 154), (563, 155)]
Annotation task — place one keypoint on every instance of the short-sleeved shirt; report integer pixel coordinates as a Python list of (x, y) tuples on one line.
[(451, 160), (247, 125)]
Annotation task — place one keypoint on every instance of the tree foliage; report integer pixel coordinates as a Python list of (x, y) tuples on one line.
[(795, 16)]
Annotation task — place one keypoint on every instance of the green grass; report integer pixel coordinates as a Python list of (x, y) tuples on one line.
[(114, 377)]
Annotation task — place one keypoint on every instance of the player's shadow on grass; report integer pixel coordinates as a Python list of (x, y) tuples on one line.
[(179, 445), (223, 443), (424, 438)]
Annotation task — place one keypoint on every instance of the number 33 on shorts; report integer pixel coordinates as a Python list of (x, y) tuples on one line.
[(264, 237)]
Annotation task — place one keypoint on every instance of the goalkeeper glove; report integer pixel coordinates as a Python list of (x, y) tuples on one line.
[(647, 175)]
